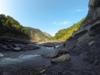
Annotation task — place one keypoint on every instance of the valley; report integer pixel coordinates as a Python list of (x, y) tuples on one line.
[(72, 51)]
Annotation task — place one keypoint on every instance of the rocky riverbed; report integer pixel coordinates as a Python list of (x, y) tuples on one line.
[(18, 56)]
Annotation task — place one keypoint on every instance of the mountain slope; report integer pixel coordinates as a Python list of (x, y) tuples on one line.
[(65, 34), (37, 35), (11, 28)]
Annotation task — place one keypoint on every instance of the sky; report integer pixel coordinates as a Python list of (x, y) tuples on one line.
[(46, 15)]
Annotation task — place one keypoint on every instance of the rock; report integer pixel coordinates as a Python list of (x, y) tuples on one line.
[(94, 29), (42, 71), (17, 49), (24, 62), (91, 43), (94, 10), (5, 47), (33, 46), (1, 55), (61, 59)]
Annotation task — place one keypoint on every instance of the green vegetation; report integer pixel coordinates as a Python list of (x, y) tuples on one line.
[(65, 34), (36, 34), (11, 28)]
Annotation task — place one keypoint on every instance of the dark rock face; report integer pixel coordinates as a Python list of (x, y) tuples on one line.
[(94, 3), (94, 10)]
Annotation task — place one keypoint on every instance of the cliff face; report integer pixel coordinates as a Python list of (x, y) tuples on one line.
[(94, 10)]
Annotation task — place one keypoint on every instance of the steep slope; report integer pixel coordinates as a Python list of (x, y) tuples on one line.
[(37, 35), (65, 34), (9, 27), (93, 12)]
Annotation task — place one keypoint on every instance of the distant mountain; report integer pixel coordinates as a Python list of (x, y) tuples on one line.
[(11, 28), (46, 34), (65, 34), (37, 35)]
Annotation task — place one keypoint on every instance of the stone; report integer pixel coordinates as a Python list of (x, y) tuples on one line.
[(91, 43), (94, 29), (1, 55), (61, 59), (94, 9), (17, 49)]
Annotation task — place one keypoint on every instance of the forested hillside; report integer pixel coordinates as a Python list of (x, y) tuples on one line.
[(66, 33), (9, 27)]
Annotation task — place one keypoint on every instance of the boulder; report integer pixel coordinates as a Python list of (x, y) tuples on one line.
[(17, 49), (1, 55), (61, 59)]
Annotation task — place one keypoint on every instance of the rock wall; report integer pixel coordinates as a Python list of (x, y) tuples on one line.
[(94, 10)]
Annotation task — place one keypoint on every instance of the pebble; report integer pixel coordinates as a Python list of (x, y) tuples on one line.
[(1, 55), (61, 58), (17, 48)]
